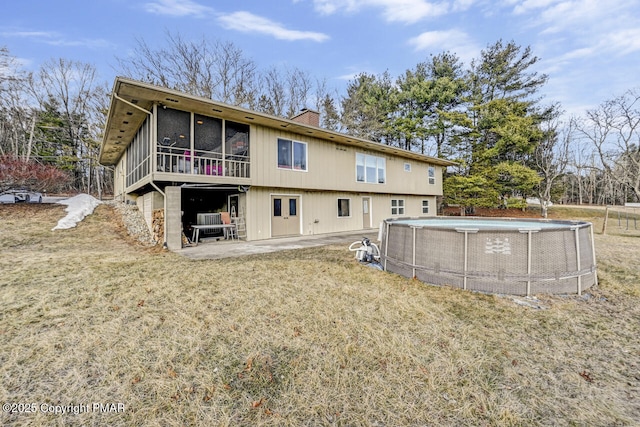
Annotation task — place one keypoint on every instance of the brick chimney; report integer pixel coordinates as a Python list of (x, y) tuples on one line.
[(307, 117)]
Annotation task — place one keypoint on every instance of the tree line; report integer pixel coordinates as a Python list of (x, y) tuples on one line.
[(52, 120), (488, 117)]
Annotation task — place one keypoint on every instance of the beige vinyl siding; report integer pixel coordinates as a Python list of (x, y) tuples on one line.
[(330, 175), (413, 206), (325, 169), (332, 167), (258, 216), (119, 178), (318, 210)]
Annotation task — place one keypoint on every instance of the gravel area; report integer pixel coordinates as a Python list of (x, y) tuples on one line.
[(134, 222)]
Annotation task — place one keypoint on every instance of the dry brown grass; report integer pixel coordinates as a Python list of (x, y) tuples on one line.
[(307, 337)]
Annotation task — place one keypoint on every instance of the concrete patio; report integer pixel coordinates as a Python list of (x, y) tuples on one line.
[(234, 248)]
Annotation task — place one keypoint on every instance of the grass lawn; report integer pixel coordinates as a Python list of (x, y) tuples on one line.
[(295, 338)]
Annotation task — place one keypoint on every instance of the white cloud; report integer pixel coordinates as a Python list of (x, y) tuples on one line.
[(462, 5), (90, 43), (328, 7), (54, 38), (177, 8), (348, 77), (583, 29), (406, 11), (410, 11), (580, 53), (578, 16), (249, 23), (455, 41), (623, 41), (352, 71), (613, 44), (530, 5), (574, 15), (29, 34)]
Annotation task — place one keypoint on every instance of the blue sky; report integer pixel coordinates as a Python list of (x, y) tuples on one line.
[(589, 48)]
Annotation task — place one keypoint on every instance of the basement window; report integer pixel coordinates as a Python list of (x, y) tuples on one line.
[(425, 206), (397, 206), (344, 208)]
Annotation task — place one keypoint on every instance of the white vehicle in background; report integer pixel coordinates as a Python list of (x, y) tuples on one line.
[(7, 198), (21, 196)]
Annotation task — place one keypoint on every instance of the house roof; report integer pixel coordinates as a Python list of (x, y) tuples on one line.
[(132, 101)]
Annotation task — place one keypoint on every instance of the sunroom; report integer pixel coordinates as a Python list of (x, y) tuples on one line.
[(187, 143)]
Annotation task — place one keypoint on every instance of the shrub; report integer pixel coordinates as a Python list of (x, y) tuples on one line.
[(31, 175)]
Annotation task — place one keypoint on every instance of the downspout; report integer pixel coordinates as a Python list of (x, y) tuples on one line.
[(154, 128), (153, 184)]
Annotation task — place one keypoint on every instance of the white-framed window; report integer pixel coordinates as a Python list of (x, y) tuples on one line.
[(292, 155), (432, 174), (344, 208), (371, 169), (425, 206), (397, 206), (407, 167)]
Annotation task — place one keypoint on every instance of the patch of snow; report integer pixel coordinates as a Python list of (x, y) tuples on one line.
[(78, 207), (532, 302), (536, 201)]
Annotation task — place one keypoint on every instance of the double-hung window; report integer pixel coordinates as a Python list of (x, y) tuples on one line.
[(432, 175), (370, 169), (425, 206), (292, 155)]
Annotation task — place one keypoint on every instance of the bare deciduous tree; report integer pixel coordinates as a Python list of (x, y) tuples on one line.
[(613, 129), (299, 87), (286, 92), (326, 105), (70, 91), (213, 70), (551, 158), (17, 112), (220, 71), (273, 98)]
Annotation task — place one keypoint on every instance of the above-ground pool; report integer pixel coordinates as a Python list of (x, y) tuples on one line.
[(510, 256)]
